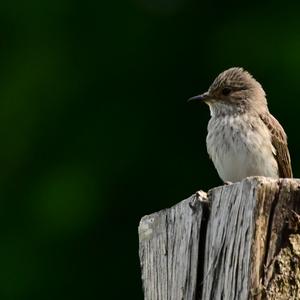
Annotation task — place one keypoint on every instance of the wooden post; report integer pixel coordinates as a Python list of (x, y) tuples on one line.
[(239, 241)]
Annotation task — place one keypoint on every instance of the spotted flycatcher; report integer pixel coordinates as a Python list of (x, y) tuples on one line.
[(243, 139)]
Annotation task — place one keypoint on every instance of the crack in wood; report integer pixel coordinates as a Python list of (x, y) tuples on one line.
[(201, 254), (265, 263), (244, 245)]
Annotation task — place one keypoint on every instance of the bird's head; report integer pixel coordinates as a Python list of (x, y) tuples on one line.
[(233, 90)]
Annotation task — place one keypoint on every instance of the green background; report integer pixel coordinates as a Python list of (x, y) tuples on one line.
[(95, 129)]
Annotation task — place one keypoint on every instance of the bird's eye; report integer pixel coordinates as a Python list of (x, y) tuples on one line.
[(226, 91)]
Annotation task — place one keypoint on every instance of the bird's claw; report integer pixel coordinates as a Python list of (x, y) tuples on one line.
[(227, 182)]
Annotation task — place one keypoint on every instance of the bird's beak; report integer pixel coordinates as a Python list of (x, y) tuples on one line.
[(199, 98)]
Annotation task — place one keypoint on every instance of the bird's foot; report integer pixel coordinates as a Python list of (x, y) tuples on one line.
[(227, 182)]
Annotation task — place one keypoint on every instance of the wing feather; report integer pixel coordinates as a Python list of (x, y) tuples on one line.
[(279, 141)]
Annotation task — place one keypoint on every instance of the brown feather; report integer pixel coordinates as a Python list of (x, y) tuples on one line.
[(279, 141)]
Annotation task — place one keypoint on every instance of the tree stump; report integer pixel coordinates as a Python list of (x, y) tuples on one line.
[(238, 241)]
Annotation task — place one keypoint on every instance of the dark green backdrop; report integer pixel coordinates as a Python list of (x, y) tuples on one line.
[(96, 132)]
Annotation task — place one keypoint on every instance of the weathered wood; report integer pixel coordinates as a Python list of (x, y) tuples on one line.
[(228, 243), (250, 242), (169, 247)]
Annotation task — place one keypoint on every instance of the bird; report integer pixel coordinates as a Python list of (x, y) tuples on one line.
[(243, 138)]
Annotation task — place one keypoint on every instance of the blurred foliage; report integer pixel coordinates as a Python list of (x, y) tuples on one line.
[(95, 129)]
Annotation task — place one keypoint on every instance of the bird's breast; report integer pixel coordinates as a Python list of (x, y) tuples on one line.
[(240, 146)]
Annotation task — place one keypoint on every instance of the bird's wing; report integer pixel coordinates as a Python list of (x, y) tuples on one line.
[(279, 141)]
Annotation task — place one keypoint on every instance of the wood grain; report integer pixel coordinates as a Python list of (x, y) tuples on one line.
[(245, 246)]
